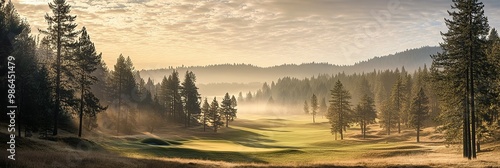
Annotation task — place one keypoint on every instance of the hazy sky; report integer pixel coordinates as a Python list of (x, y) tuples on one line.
[(162, 33)]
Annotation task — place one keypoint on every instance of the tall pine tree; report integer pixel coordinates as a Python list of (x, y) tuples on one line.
[(419, 111), (460, 72), (339, 113), (60, 36), (190, 97), (86, 62)]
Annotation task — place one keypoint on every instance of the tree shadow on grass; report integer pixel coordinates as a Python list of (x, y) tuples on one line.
[(200, 154), (246, 138)]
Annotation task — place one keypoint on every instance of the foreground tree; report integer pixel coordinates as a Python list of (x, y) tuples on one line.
[(339, 113), (61, 35), (461, 71), (86, 62), (419, 111)]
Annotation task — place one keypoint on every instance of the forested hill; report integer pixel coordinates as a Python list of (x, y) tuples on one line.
[(244, 73)]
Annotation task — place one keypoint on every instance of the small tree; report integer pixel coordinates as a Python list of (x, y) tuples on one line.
[(228, 109), (323, 108), (314, 106), (234, 103), (366, 113), (205, 112), (306, 107), (419, 111), (215, 117), (339, 113)]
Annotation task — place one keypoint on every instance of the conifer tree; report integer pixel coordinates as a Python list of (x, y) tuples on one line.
[(314, 107), (366, 113), (461, 71), (323, 108), (86, 62), (397, 100), (306, 107), (227, 109), (205, 113), (419, 111), (60, 36), (191, 97), (339, 113), (215, 116), (123, 84)]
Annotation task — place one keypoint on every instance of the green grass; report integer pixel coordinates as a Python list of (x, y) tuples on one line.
[(292, 141), (268, 141)]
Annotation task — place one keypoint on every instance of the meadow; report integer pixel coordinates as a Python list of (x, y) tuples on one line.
[(251, 141)]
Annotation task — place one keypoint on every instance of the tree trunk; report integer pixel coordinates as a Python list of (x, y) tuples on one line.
[(341, 134), (418, 133), (81, 108), (364, 129), (314, 121)]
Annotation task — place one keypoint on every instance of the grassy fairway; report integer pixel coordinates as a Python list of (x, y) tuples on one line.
[(291, 140), (258, 141)]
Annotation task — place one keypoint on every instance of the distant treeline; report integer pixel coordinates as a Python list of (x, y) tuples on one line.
[(411, 59)]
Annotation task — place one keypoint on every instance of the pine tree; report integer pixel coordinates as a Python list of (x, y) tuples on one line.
[(339, 113), (234, 104), (191, 98), (227, 109), (86, 62), (461, 71), (32, 90), (61, 35), (306, 107), (249, 97), (397, 100), (314, 107), (173, 90), (215, 116), (419, 111), (366, 113), (205, 111), (323, 108), (123, 85)]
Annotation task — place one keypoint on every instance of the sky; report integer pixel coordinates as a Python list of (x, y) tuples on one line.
[(164, 33)]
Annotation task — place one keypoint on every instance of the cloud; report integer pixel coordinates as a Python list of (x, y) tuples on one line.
[(159, 33)]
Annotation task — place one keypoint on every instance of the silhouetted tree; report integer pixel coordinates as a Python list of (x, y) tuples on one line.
[(190, 95), (61, 35), (86, 62), (215, 116), (227, 109)]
